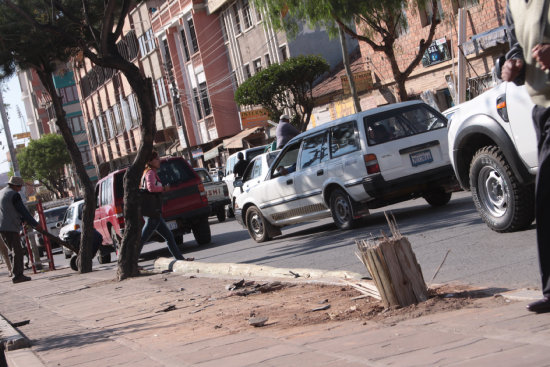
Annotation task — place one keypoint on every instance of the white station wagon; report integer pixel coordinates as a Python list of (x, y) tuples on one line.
[(345, 167)]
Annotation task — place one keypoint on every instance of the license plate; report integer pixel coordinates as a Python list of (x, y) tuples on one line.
[(422, 157), (172, 225)]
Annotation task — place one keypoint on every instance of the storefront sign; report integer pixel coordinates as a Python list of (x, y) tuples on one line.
[(197, 152), (254, 118), (436, 53), (363, 82)]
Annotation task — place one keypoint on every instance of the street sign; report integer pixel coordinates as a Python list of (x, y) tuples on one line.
[(22, 135)]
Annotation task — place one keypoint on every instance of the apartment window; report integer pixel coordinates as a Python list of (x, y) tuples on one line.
[(257, 65), (197, 104), (146, 43), (110, 123), (185, 46), (267, 60), (237, 25), (160, 92), (76, 123), (247, 73), (224, 27), (92, 132), (117, 112), (134, 110), (193, 35), (246, 14), (86, 155), (205, 99), (68, 94), (426, 13), (284, 54)]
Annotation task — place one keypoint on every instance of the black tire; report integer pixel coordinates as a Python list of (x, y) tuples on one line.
[(504, 204), (230, 213), (258, 227), (221, 215), (74, 266), (116, 240), (437, 197), (342, 210), (201, 231)]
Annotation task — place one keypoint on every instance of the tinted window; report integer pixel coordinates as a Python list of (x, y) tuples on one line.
[(251, 154), (343, 139), (401, 123), (287, 160), (314, 151), (119, 186), (55, 215), (174, 172)]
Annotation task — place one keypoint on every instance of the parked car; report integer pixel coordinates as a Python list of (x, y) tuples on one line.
[(184, 206), (345, 167), (255, 173), (248, 154), (493, 150), (71, 222), (53, 216), (216, 192)]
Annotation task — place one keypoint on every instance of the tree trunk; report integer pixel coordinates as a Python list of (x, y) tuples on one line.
[(85, 254), (345, 57)]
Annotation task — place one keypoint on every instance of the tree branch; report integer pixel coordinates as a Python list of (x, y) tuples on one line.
[(353, 34)]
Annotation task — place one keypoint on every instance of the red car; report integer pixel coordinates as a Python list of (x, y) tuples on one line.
[(184, 208)]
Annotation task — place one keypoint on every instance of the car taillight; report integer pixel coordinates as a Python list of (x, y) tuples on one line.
[(119, 210), (76, 226), (202, 191), (371, 163)]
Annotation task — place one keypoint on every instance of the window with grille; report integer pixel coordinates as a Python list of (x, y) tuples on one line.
[(146, 42), (185, 46), (257, 65), (246, 15), (193, 35), (237, 19), (247, 73), (205, 99)]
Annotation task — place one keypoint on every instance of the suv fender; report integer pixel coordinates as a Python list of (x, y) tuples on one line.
[(479, 131)]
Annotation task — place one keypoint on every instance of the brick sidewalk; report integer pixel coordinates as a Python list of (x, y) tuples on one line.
[(91, 320)]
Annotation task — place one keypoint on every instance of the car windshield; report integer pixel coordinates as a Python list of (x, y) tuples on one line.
[(393, 125), (55, 215), (175, 172)]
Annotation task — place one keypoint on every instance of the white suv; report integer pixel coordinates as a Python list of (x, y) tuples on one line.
[(346, 167)]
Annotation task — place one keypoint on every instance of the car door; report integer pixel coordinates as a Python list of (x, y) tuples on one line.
[(312, 173), (276, 196), (99, 218)]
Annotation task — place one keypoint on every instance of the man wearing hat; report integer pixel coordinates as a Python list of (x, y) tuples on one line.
[(285, 131), (12, 213)]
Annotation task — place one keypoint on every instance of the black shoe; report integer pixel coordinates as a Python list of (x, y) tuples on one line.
[(20, 278), (540, 306)]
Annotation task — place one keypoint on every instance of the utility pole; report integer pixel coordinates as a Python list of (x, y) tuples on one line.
[(8, 136)]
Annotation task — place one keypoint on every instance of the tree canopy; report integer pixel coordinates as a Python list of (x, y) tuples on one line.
[(43, 160), (287, 85), (379, 23)]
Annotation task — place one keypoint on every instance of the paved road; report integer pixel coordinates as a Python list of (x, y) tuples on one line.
[(478, 255)]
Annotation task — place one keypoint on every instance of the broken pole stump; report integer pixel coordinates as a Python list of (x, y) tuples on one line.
[(394, 268)]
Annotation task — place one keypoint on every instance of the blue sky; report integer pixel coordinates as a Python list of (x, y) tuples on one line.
[(12, 97)]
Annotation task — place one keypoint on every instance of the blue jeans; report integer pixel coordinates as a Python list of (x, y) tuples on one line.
[(158, 224)]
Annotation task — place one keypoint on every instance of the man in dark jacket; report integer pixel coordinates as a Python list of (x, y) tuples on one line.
[(285, 131), (12, 214), (240, 166), (529, 61)]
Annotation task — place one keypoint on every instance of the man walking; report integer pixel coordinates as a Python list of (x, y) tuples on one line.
[(285, 131), (12, 213), (529, 60)]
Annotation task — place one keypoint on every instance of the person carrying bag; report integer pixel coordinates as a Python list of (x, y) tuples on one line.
[(151, 207)]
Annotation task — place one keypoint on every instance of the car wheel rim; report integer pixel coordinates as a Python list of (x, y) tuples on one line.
[(342, 209), (256, 225), (493, 191)]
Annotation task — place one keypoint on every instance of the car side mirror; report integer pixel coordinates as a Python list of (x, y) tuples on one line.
[(238, 182), (499, 63)]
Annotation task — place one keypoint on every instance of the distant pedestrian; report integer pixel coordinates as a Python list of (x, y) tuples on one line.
[(151, 185), (529, 60), (285, 131), (240, 166), (12, 213)]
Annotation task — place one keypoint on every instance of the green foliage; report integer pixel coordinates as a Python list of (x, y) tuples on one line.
[(286, 85), (43, 160)]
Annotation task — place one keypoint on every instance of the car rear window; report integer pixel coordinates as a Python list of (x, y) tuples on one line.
[(174, 172), (55, 215), (397, 124)]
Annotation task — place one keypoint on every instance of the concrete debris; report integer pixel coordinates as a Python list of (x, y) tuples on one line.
[(258, 321)]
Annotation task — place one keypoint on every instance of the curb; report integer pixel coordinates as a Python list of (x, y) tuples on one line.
[(10, 338), (249, 270), (23, 358)]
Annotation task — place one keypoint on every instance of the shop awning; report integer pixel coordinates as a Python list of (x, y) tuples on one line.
[(236, 141), (481, 42), (213, 153)]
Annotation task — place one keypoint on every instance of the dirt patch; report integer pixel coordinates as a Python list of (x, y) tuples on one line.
[(289, 305)]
